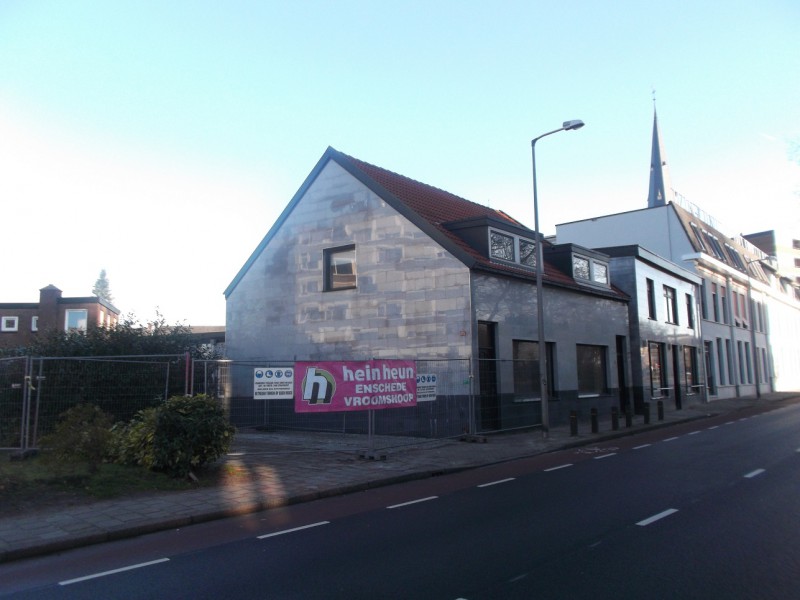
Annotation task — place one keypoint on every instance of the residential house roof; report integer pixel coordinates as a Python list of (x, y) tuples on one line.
[(736, 252), (431, 209)]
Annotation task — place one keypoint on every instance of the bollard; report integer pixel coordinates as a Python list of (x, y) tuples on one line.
[(614, 418), (595, 427), (573, 423), (646, 413), (628, 417), (660, 408)]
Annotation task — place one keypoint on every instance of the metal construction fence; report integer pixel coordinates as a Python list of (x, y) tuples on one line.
[(471, 396), (35, 391)]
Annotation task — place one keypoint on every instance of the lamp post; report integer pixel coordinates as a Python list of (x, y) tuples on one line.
[(566, 126)]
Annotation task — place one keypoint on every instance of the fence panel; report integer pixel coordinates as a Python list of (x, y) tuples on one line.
[(480, 396), (120, 386), (477, 396), (449, 414), (13, 405), (509, 395)]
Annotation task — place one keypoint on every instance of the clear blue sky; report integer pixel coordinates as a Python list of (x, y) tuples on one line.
[(160, 140)]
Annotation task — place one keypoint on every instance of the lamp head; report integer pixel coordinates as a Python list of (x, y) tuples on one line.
[(574, 124)]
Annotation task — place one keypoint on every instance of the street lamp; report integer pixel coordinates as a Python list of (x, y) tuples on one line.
[(566, 126)]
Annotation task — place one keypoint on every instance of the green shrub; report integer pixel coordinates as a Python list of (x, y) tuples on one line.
[(182, 434), (83, 434), (133, 442)]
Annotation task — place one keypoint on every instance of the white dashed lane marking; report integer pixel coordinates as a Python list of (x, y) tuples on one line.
[(402, 504), (755, 473), (657, 517), (269, 535), (112, 572), (491, 483), (560, 467)]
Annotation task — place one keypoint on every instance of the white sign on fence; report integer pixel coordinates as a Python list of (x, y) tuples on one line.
[(273, 383), (426, 387)]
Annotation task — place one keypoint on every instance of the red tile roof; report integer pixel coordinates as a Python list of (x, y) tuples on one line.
[(429, 208), (438, 207)]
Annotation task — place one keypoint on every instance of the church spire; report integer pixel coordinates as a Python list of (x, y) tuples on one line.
[(660, 185)]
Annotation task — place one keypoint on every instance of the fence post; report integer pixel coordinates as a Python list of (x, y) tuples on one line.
[(660, 408), (628, 417), (614, 418), (573, 423), (646, 413), (186, 374), (595, 427), (26, 405), (471, 423)]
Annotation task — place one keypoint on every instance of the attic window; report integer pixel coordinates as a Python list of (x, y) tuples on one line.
[(715, 246), (600, 272), (512, 248), (340, 268), (734, 254), (699, 237), (580, 267), (501, 246), (589, 269)]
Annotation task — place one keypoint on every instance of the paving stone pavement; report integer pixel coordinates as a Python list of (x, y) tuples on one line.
[(279, 468)]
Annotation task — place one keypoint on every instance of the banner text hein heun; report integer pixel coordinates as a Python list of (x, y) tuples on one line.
[(330, 386)]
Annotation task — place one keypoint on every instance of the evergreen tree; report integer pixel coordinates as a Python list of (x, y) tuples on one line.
[(102, 288)]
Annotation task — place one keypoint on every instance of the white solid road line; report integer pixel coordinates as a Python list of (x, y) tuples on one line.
[(558, 467), (413, 502), (657, 517), (755, 473), (670, 439), (120, 570), (483, 485), (269, 535)]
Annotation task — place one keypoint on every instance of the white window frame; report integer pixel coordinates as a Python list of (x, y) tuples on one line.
[(9, 323), (35, 323), (85, 312)]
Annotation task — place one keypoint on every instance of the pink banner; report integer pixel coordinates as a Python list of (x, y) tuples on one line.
[(332, 386)]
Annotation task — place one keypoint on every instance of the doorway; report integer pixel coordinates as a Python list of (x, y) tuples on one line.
[(489, 408)]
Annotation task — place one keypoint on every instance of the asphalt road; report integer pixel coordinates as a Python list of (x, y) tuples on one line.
[(704, 510)]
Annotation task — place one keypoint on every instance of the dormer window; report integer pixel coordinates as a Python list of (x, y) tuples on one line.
[(600, 272), (512, 248), (580, 267), (501, 246), (527, 253), (589, 269)]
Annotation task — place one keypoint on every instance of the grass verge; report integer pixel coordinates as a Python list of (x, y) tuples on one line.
[(30, 485)]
